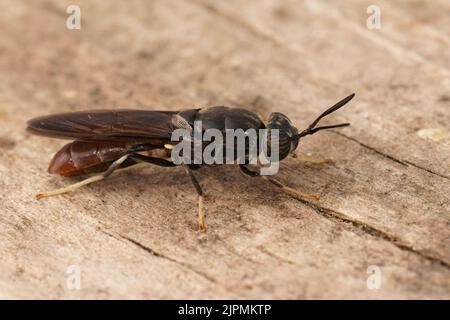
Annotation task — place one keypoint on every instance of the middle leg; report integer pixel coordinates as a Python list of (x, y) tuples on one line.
[(188, 169), (198, 188)]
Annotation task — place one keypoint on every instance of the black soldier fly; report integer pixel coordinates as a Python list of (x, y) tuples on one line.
[(107, 140)]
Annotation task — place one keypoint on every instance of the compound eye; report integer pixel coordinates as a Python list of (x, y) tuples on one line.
[(280, 121), (287, 133)]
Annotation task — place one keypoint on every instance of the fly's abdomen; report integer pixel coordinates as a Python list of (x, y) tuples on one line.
[(79, 157)]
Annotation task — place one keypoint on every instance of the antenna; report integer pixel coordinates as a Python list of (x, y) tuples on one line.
[(311, 128)]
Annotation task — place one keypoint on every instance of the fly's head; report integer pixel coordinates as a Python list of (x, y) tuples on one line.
[(289, 136)]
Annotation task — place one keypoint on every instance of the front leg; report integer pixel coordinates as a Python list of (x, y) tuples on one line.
[(284, 188), (306, 158)]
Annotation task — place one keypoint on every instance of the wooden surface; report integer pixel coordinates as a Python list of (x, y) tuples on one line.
[(385, 202)]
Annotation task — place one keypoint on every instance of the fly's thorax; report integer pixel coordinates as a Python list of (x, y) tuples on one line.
[(240, 132), (287, 133)]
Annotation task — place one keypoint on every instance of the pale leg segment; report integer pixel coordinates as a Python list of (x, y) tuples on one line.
[(116, 164), (288, 190)]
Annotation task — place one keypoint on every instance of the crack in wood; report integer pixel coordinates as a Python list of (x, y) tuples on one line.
[(276, 256), (368, 229), (427, 170), (384, 155), (233, 251), (387, 156), (162, 256)]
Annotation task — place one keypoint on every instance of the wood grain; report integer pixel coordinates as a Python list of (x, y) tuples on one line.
[(385, 202)]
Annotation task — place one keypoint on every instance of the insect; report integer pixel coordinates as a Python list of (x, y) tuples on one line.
[(107, 140)]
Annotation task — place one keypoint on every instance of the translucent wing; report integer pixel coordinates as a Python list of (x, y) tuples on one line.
[(153, 127)]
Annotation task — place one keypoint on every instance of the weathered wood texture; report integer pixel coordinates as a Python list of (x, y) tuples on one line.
[(385, 202)]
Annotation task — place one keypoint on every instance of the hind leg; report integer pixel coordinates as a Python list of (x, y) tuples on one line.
[(114, 166), (124, 161)]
